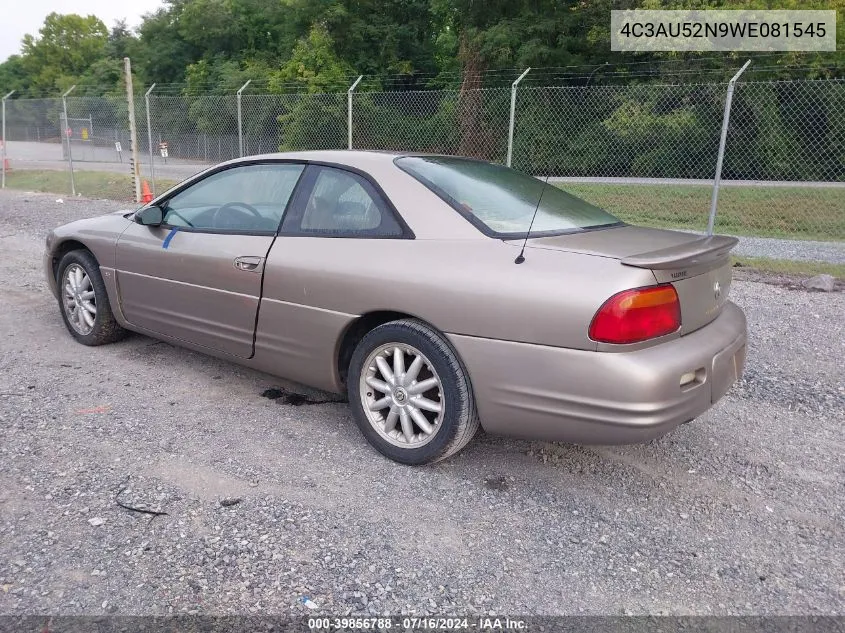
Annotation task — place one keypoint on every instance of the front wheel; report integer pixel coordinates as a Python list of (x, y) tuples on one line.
[(83, 300), (410, 394)]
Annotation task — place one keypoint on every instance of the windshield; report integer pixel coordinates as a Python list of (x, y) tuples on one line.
[(500, 200)]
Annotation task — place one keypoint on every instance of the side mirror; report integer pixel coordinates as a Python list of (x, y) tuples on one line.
[(149, 216)]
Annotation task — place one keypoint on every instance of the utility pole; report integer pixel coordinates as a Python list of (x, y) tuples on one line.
[(133, 132)]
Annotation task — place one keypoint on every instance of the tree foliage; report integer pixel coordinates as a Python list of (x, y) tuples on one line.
[(65, 48), (192, 48), (319, 43)]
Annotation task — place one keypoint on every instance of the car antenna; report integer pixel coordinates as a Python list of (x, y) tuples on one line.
[(521, 257)]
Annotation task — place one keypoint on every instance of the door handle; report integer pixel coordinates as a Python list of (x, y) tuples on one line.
[(251, 263)]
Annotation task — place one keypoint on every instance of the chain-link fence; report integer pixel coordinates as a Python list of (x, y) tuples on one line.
[(642, 131), (34, 120), (273, 123), (646, 152), (468, 123), (95, 128)]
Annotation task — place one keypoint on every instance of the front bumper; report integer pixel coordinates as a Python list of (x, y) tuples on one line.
[(49, 273), (558, 394)]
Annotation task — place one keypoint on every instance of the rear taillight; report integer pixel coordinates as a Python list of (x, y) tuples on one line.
[(636, 315)]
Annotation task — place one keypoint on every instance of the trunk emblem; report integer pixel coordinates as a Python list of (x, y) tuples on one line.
[(717, 290)]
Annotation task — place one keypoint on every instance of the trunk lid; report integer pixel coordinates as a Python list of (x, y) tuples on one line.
[(697, 266)]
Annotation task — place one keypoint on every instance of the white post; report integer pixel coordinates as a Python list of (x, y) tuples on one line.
[(67, 127), (725, 121), (133, 132), (3, 158), (150, 137), (349, 109), (513, 115), (240, 120)]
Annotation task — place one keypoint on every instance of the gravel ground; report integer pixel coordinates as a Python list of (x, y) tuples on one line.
[(796, 250), (739, 512)]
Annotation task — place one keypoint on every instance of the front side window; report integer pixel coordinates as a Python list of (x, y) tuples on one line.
[(248, 198), (501, 201), (343, 204)]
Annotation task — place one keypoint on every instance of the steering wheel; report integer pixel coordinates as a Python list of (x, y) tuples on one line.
[(234, 205)]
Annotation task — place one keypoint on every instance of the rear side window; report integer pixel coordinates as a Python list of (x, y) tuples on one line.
[(343, 204), (500, 201)]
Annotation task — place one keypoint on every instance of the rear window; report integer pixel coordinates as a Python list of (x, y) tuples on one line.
[(501, 201)]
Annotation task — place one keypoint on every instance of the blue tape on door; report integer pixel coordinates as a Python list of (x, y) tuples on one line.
[(169, 237)]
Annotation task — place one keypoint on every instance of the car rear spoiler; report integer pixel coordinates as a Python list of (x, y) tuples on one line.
[(700, 251)]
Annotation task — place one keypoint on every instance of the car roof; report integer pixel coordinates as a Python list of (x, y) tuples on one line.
[(356, 158), (350, 157), (427, 214)]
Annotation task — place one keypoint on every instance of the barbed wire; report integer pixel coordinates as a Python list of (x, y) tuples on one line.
[(618, 71)]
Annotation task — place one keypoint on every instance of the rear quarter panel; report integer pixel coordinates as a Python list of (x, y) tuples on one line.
[(314, 287)]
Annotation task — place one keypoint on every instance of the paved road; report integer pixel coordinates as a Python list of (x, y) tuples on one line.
[(694, 182), (31, 155), (739, 512), (49, 156)]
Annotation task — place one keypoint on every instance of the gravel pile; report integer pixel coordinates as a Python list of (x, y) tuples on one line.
[(272, 507)]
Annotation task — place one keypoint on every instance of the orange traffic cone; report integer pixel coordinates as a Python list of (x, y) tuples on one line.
[(146, 194)]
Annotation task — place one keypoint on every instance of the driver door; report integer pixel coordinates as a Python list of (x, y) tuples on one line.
[(197, 277)]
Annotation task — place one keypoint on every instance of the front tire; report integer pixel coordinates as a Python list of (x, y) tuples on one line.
[(410, 394), (83, 300)]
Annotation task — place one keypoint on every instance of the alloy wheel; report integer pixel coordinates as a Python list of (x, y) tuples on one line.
[(80, 301), (402, 395)]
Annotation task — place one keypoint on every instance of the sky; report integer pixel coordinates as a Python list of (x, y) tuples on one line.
[(28, 16)]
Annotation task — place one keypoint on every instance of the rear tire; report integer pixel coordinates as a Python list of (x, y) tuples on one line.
[(83, 300), (414, 405)]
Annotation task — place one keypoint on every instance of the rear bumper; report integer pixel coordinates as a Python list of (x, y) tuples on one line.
[(557, 394)]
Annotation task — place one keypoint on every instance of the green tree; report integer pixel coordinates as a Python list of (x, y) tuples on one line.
[(314, 65), (164, 54), (66, 46), (13, 75)]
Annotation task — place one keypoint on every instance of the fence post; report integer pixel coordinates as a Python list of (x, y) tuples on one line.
[(513, 115), (349, 109), (3, 158), (725, 121), (133, 131), (67, 136), (595, 70), (150, 137), (240, 120)]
